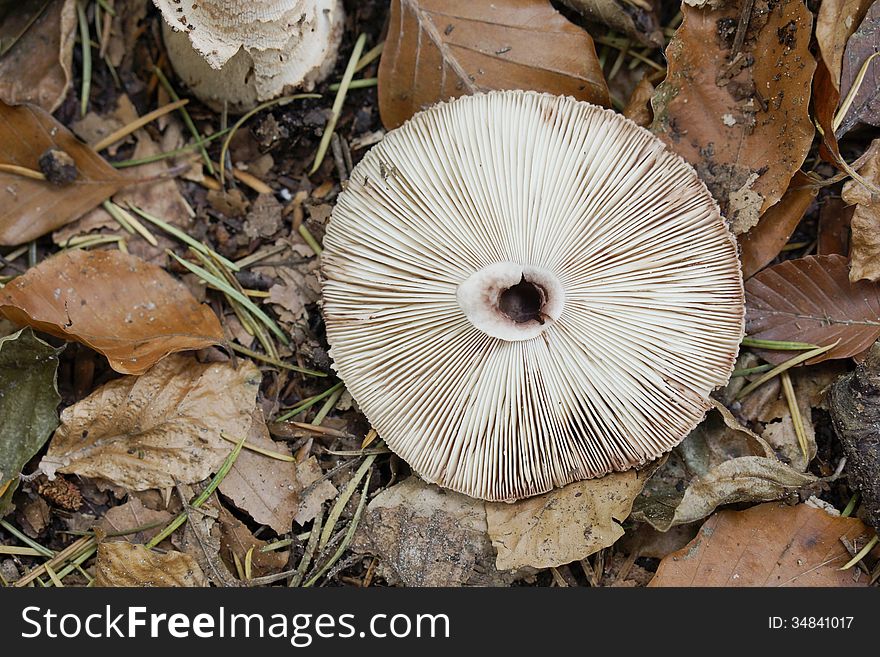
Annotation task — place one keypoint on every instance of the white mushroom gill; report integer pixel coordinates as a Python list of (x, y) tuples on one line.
[(627, 309), (241, 52)]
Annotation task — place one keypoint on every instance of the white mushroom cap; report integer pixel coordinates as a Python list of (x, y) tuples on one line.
[(242, 52), (525, 290)]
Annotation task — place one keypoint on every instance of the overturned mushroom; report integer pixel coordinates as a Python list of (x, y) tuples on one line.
[(241, 52), (524, 290)]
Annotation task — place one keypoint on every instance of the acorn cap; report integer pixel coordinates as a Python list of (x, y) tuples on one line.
[(523, 290), (241, 52)]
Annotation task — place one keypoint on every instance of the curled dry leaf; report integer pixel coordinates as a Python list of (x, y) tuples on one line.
[(724, 109), (44, 50), (566, 524), (441, 49), (763, 243), (121, 564), (865, 221), (721, 462), (767, 545), (155, 430), (855, 412), (638, 107), (265, 488), (835, 24), (812, 300), (129, 310), (30, 208), (425, 535), (833, 231), (865, 105), (635, 18), (28, 399)]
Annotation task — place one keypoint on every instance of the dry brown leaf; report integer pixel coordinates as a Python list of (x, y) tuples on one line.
[(767, 545), (865, 222), (37, 69), (315, 490), (441, 49), (763, 243), (833, 232), (265, 488), (635, 18), (812, 300), (30, 208), (425, 535), (638, 107), (865, 42), (133, 515), (129, 310), (835, 24), (237, 539), (564, 525), (740, 118), (720, 462), (157, 429), (121, 564)]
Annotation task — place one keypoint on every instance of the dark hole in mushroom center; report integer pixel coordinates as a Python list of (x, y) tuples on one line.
[(523, 302)]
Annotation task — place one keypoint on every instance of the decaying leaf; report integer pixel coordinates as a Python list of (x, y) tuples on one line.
[(727, 103), (30, 208), (720, 462), (42, 47), (265, 488), (835, 24), (129, 310), (425, 535), (865, 221), (315, 490), (638, 107), (865, 42), (812, 300), (767, 545), (764, 242), (236, 539), (441, 49), (635, 18), (122, 564), (157, 429), (833, 231), (564, 525), (28, 401), (855, 411), (134, 515)]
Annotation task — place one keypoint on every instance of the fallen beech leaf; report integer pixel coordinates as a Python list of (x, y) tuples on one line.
[(315, 490), (724, 112), (812, 300), (865, 107), (441, 49), (865, 221), (763, 243), (638, 107), (265, 488), (37, 68), (855, 410), (157, 429), (564, 525), (201, 540), (30, 208), (825, 100), (132, 515), (121, 564), (635, 18), (767, 545), (28, 401), (835, 24), (425, 535), (236, 539), (129, 310), (720, 462)]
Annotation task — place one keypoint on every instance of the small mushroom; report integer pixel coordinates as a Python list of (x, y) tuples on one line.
[(523, 290), (241, 52)]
